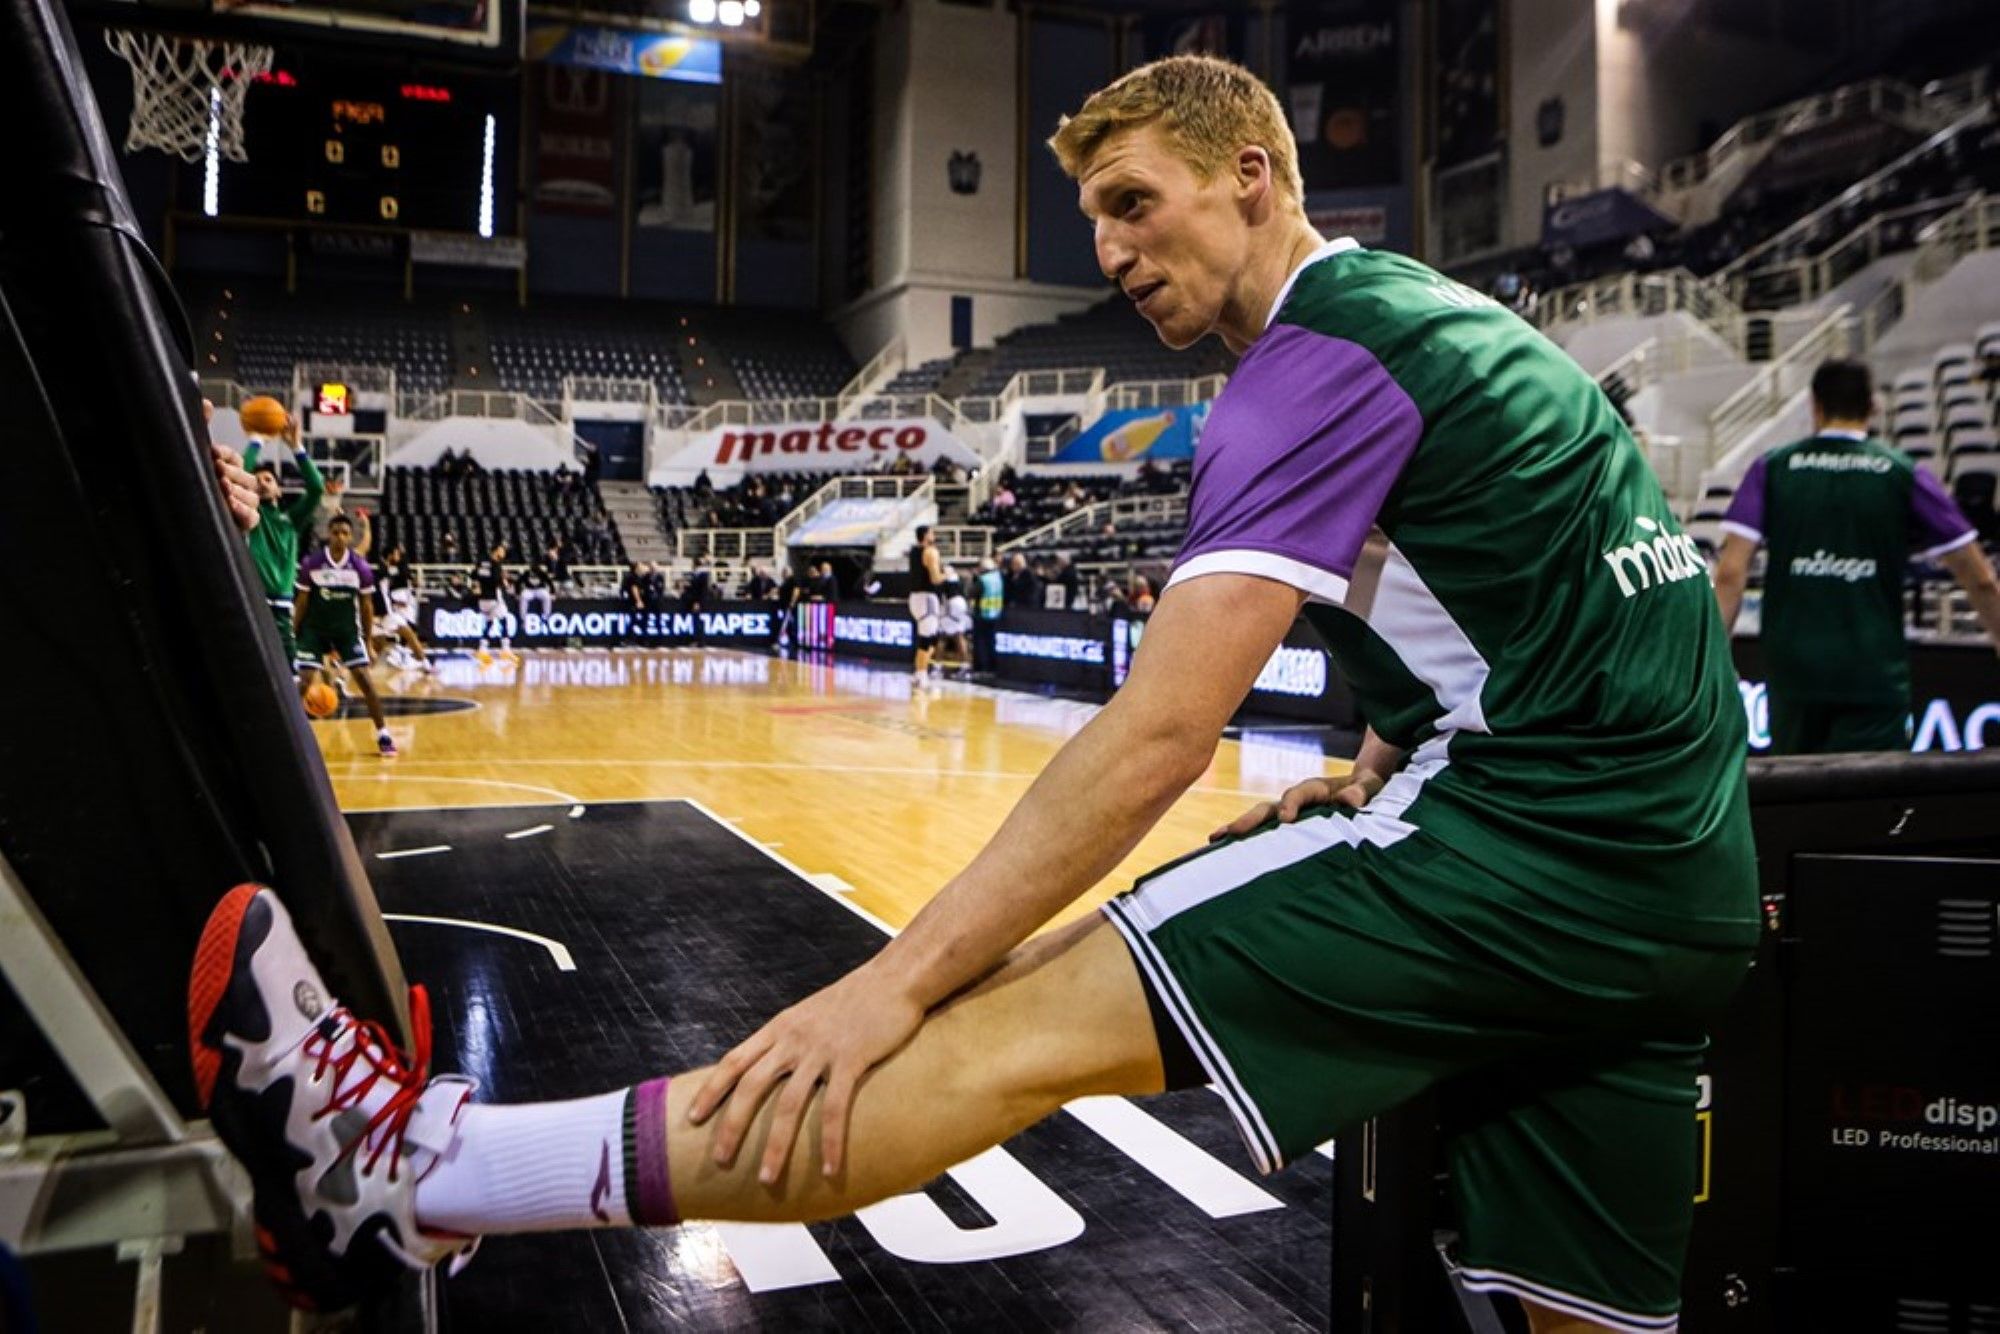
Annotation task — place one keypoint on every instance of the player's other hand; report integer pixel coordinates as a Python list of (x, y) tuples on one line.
[(833, 1037), (239, 492), (1353, 791)]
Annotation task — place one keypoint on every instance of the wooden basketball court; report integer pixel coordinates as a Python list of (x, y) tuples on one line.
[(836, 765)]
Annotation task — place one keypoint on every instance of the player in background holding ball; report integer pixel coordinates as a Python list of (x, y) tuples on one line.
[(274, 542), (334, 613)]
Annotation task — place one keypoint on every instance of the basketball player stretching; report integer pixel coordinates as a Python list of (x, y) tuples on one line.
[(335, 588), (1531, 892)]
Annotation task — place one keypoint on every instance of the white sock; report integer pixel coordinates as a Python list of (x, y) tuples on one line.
[(531, 1167)]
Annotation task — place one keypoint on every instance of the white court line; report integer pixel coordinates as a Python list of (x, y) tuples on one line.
[(557, 950), (558, 794), (530, 833), (412, 852)]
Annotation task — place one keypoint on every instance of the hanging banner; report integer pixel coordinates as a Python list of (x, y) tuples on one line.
[(648, 55), (1130, 434), (576, 123), (1602, 215), (1344, 73), (730, 452)]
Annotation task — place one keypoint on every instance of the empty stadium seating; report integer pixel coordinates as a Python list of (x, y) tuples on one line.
[(268, 332), (533, 350), (441, 520), (1112, 335)]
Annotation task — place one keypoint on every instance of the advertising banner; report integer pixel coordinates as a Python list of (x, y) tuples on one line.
[(1602, 215), (1344, 72), (732, 451), (647, 55), (1130, 434), (1065, 648), (596, 623)]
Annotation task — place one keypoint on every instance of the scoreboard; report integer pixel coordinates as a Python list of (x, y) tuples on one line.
[(352, 145)]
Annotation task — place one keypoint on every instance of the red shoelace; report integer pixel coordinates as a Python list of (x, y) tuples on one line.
[(371, 1047)]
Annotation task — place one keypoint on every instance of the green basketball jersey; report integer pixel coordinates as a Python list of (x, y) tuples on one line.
[(336, 589), (1839, 515), (1496, 571), (274, 542)]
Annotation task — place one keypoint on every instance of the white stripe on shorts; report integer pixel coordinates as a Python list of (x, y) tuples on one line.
[(1257, 1136), (1495, 1280)]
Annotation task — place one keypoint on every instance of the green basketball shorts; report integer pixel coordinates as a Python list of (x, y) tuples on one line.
[(1325, 971), (281, 612), (315, 644), (1804, 726)]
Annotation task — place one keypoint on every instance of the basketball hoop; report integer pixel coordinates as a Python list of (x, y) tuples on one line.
[(187, 94)]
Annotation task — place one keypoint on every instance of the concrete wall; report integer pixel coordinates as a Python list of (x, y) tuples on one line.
[(1551, 52)]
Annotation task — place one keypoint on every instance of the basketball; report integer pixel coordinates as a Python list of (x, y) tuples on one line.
[(321, 701), (263, 415)]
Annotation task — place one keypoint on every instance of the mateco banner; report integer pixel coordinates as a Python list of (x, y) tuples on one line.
[(729, 452), (1130, 434)]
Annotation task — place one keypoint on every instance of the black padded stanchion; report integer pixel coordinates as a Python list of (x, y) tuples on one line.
[(155, 754)]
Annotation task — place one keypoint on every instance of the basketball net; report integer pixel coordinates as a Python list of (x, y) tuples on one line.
[(187, 94)]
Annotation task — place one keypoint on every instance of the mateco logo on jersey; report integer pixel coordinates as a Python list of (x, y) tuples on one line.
[(1654, 559), (1823, 564)]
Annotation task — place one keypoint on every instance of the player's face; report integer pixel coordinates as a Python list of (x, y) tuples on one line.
[(267, 487), (337, 536), (1175, 244)]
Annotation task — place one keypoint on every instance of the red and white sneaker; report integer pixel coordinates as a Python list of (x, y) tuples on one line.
[(335, 1126)]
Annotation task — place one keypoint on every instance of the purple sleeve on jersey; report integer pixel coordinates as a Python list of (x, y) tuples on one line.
[(1746, 507), (1937, 523), (363, 571), (308, 565), (1300, 452)]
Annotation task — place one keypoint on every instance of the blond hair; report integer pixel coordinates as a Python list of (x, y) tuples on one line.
[(1209, 108)]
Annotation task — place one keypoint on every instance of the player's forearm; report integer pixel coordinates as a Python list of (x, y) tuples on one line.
[(1086, 811), (1728, 597), (306, 506)]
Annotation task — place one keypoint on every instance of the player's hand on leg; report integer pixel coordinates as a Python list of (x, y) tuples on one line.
[(833, 1037), (1355, 791)]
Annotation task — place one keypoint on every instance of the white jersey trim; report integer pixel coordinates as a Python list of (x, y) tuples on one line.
[(1966, 538), (1740, 529), (1320, 585), (1339, 245)]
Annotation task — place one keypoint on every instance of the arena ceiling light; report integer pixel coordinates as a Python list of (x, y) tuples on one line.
[(729, 13)]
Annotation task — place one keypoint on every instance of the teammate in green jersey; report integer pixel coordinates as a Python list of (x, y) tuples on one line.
[(334, 614), (274, 542), (1840, 515), (1531, 893)]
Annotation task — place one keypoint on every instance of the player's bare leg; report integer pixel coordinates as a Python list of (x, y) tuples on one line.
[(383, 742), (1063, 1018)]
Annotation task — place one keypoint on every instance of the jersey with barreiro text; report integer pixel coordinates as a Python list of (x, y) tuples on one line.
[(1495, 570), (1841, 515)]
